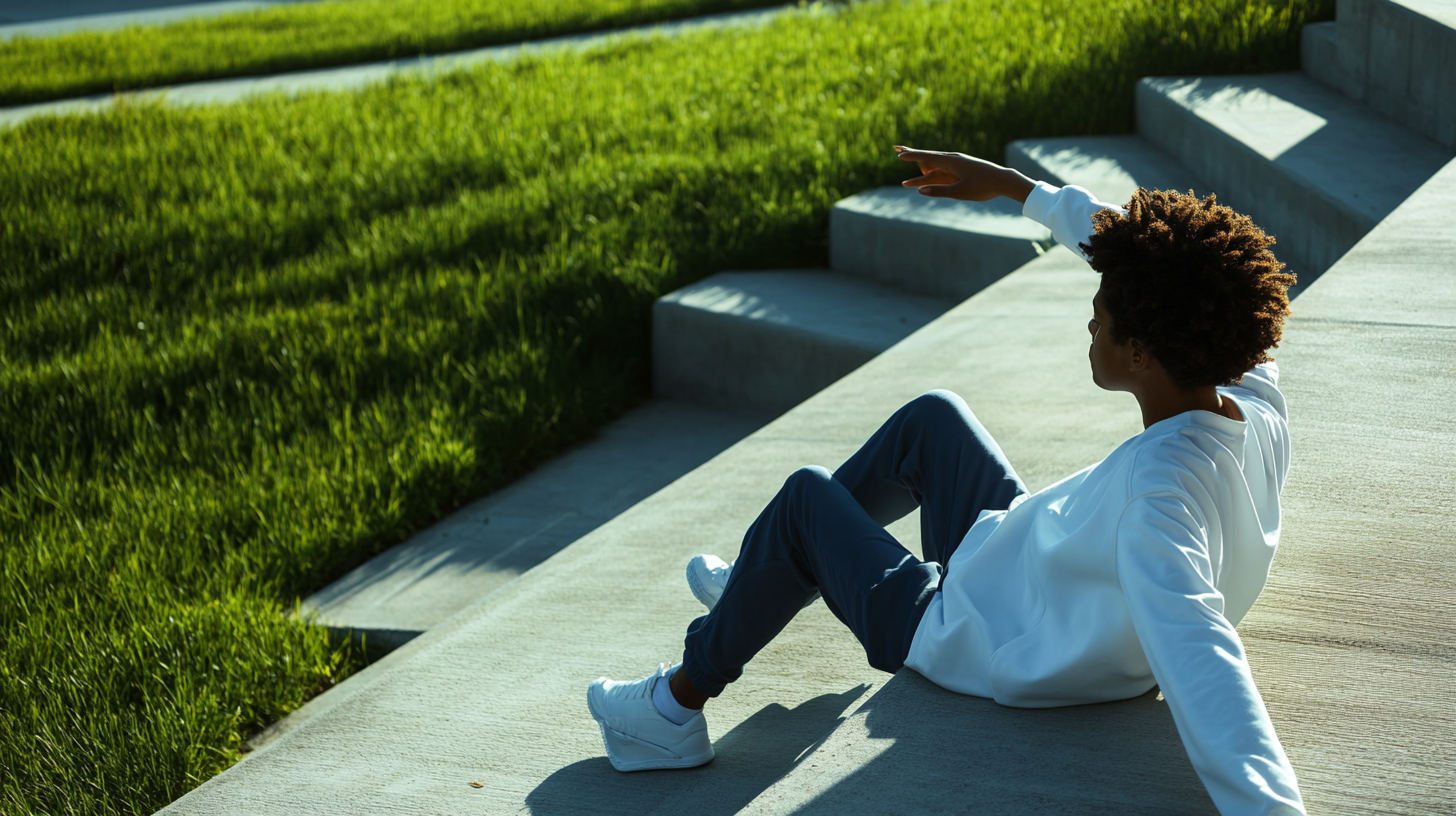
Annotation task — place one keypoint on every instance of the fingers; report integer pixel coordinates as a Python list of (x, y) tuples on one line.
[(906, 154), (922, 181), (938, 190), (932, 175), (935, 180)]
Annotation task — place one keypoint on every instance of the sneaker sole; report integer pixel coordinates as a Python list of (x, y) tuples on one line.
[(699, 591), (609, 734)]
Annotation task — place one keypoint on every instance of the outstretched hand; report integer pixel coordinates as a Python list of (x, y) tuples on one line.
[(956, 175)]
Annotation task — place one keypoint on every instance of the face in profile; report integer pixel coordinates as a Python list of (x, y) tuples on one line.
[(1104, 354)]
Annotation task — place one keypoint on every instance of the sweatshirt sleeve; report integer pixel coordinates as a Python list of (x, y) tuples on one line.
[(1066, 211), (1262, 382), (1198, 660)]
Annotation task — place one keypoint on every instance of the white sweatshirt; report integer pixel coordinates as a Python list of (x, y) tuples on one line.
[(1132, 572)]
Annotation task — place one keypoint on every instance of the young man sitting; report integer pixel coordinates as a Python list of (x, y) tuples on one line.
[(1128, 573)]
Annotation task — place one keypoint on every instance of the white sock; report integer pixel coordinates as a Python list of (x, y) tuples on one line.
[(667, 705)]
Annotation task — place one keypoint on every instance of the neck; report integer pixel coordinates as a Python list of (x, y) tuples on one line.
[(1158, 404)]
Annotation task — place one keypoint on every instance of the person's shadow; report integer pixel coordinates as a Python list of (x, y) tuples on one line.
[(947, 753), (751, 757), (956, 754)]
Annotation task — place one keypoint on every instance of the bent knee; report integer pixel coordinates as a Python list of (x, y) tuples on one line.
[(808, 478), (939, 405)]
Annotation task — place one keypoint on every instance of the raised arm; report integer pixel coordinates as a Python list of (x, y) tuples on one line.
[(956, 175), (1066, 211), (1198, 660)]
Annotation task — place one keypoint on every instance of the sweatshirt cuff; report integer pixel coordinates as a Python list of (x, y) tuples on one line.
[(1039, 201)]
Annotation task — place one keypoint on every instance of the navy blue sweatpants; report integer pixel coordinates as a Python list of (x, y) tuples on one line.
[(827, 533)]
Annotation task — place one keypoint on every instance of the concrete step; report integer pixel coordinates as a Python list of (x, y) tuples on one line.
[(762, 342), (930, 246), (1311, 167), (403, 592), (1111, 167), (1397, 56), (1319, 55)]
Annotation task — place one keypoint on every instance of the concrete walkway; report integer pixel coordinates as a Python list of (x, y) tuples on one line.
[(352, 77), (47, 18)]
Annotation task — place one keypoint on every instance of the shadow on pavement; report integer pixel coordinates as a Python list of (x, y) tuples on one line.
[(955, 754), (751, 757)]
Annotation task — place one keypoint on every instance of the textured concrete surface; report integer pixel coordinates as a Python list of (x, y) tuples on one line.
[(937, 247), (1311, 167), (1111, 167), (765, 341), (1354, 642), (44, 18), (357, 76), (479, 548), (1399, 57), (1403, 273), (939, 752)]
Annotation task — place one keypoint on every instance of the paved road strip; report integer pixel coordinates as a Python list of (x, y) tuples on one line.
[(48, 18), (357, 76)]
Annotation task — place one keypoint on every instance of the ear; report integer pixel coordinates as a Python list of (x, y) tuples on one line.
[(1138, 356)]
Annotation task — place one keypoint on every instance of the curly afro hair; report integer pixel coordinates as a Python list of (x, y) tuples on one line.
[(1194, 281)]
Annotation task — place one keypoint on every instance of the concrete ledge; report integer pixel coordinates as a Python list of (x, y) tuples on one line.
[(1402, 273), (1399, 57), (416, 585), (765, 341), (1411, 67), (1319, 56), (936, 247), (1112, 167), (1311, 167)]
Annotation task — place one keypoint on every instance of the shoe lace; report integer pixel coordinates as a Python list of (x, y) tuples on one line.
[(645, 689)]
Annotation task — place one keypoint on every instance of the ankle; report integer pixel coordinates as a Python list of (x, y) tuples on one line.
[(667, 704), (683, 690)]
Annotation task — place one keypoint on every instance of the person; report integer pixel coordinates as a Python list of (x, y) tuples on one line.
[(1130, 573)]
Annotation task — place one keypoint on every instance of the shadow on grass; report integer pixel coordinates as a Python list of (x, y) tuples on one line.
[(751, 757)]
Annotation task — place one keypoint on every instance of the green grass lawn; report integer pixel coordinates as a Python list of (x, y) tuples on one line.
[(243, 348), (307, 35)]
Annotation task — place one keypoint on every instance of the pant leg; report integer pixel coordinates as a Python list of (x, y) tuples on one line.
[(932, 454), (812, 535)]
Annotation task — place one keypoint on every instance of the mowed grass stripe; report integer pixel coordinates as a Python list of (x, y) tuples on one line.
[(308, 36), (243, 348)]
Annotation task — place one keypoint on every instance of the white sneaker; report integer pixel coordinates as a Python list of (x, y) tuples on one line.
[(708, 575), (637, 737)]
